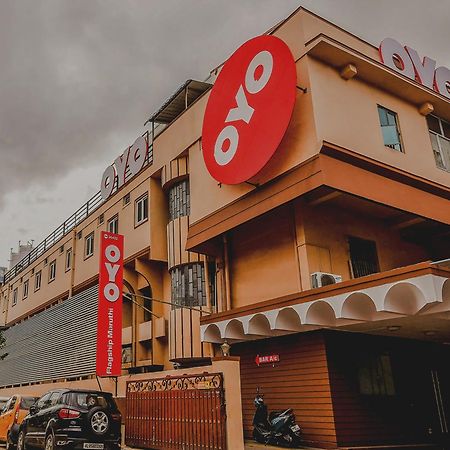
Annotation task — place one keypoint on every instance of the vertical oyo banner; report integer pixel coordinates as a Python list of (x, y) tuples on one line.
[(109, 322)]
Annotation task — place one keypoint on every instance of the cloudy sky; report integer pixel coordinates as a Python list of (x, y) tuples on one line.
[(78, 78)]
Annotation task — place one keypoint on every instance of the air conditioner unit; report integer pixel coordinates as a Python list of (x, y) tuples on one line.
[(319, 279)]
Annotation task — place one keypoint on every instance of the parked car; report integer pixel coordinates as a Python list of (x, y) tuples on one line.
[(72, 419), (11, 416)]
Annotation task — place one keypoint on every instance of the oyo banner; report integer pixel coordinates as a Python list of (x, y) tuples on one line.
[(249, 109), (109, 323)]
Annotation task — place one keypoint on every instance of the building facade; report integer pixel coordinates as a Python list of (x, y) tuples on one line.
[(325, 270)]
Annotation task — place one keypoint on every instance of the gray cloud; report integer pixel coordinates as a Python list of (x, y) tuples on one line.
[(79, 78)]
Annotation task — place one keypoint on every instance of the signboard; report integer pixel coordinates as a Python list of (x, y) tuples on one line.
[(109, 322), (267, 359), (133, 159), (249, 109), (406, 60)]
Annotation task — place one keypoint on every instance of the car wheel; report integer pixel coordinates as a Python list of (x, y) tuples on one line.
[(21, 441), (50, 442), (99, 421), (9, 443)]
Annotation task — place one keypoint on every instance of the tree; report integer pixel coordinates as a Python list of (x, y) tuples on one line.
[(2, 345)]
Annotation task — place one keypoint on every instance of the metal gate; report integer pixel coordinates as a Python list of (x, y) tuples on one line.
[(183, 412)]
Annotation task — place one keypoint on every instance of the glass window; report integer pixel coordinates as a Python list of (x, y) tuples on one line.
[(43, 401), (68, 259), (37, 280), (113, 224), (141, 209), (389, 128), (25, 289), (14, 300), (89, 245), (126, 199), (179, 200), (188, 285), (440, 141), (375, 376), (52, 271)]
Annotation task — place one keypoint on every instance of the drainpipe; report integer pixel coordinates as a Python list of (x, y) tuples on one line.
[(227, 273), (72, 263)]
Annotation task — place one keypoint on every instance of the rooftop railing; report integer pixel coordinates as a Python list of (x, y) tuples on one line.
[(81, 214)]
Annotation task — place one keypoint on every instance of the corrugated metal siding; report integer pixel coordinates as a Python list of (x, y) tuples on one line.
[(57, 343)]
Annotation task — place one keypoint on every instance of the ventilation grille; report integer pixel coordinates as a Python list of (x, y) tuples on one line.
[(58, 343)]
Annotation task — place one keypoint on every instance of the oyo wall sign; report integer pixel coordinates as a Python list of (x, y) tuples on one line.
[(132, 158), (249, 109), (406, 60)]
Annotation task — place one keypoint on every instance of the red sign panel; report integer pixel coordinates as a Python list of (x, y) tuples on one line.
[(267, 359), (109, 323), (249, 109)]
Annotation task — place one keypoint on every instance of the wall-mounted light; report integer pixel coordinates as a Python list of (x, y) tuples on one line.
[(430, 333), (225, 347), (393, 327)]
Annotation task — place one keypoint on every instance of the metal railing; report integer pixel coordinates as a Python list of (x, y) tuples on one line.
[(81, 214)]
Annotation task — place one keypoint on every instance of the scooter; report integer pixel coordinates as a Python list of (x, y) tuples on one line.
[(279, 428)]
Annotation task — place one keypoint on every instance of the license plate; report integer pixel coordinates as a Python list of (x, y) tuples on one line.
[(89, 446)]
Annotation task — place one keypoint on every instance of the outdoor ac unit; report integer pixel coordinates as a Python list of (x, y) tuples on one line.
[(319, 279)]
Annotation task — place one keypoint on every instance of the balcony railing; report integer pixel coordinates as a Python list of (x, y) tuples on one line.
[(81, 214)]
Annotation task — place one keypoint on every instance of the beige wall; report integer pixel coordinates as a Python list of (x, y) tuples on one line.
[(275, 254), (346, 114)]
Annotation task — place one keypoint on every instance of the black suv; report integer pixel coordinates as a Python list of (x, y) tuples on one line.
[(72, 419)]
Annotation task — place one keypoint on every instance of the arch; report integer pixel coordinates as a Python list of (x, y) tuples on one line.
[(288, 319), (212, 334), (320, 313), (234, 330), (258, 325), (446, 291), (359, 306), (404, 298)]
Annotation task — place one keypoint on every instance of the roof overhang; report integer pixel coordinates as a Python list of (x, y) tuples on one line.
[(338, 55), (183, 97)]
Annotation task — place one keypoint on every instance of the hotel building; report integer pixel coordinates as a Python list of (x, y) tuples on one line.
[(325, 272)]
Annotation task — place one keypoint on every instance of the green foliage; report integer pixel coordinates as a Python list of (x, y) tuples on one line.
[(2, 345)]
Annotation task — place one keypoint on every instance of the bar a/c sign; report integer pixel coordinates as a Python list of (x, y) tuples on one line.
[(267, 359), (109, 322)]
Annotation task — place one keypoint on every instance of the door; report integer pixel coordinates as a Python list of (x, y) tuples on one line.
[(441, 389), (44, 415), (7, 417), (33, 431)]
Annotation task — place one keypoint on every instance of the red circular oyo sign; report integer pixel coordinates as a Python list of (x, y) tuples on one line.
[(249, 109)]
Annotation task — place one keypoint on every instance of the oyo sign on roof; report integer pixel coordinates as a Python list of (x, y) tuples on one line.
[(406, 61), (249, 109)]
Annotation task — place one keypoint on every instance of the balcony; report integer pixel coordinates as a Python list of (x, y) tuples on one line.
[(410, 302)]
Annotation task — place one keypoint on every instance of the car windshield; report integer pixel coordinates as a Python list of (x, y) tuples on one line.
[(26, 402), (89, 400)]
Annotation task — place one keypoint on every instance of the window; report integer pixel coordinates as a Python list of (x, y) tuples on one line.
[(375, 375), (127, 354), (113, 224), (79, 235), (440, 141), (14, 300), (52, 271), (141, 210), (179, 200), (61, 249), (389, 128), (101, 219), (68, 259), (25, 289), (89, 245), (37, 280), (363, 257), (188, 285), (126, 199)]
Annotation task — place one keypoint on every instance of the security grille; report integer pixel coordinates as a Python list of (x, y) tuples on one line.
[(59, 342)]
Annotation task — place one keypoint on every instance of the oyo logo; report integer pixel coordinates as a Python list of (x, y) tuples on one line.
[(249, 109), (112, 255), (406, 60)]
